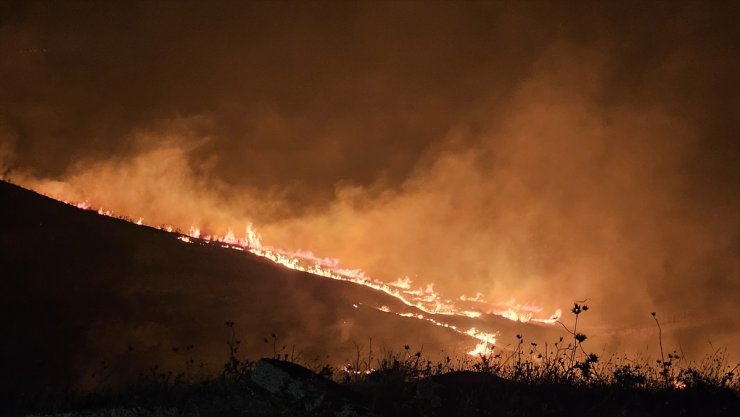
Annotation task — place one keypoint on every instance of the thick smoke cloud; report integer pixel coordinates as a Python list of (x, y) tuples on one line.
[(544, 152)]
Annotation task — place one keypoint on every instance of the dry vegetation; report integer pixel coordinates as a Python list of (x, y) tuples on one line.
[(562, 378)]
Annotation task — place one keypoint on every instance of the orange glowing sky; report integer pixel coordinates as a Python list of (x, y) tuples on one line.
[(540, 151)]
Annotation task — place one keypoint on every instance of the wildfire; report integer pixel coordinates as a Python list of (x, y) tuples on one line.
[(678, 384), (426, 299), (486, 345)]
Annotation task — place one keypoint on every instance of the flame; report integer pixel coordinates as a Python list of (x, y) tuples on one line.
[(403, 283), (486, 345), (424, 299), (482, 349)]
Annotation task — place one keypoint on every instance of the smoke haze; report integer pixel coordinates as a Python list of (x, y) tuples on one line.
[(540, 151)]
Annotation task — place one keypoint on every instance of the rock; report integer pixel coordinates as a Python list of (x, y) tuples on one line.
[(294, 381), (435, 394), (466, 380), (299, 385)]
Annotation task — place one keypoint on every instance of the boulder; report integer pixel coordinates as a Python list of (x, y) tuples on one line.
[(439, 395), (299, 385), (293, 381)]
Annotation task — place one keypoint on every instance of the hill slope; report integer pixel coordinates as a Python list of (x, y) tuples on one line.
[(79, 289)]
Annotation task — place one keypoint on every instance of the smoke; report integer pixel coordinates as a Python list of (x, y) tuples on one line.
[(562, 199), (163, 182), (525, 151)]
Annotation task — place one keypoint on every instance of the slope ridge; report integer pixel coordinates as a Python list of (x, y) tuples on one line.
[(79, 289)]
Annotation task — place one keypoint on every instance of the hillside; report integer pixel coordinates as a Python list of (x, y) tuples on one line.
[(86, 294)]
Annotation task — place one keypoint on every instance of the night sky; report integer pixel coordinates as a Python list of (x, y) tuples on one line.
[(539, 151)]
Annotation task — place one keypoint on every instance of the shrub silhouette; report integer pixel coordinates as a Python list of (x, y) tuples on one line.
[(407, 383)]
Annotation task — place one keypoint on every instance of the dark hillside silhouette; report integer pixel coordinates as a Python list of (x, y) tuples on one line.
[(85, 294)]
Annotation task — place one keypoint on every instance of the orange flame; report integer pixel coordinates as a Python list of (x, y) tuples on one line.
[(426, 300)]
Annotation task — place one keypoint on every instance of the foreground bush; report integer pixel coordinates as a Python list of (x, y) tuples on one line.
[(558, 379)]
